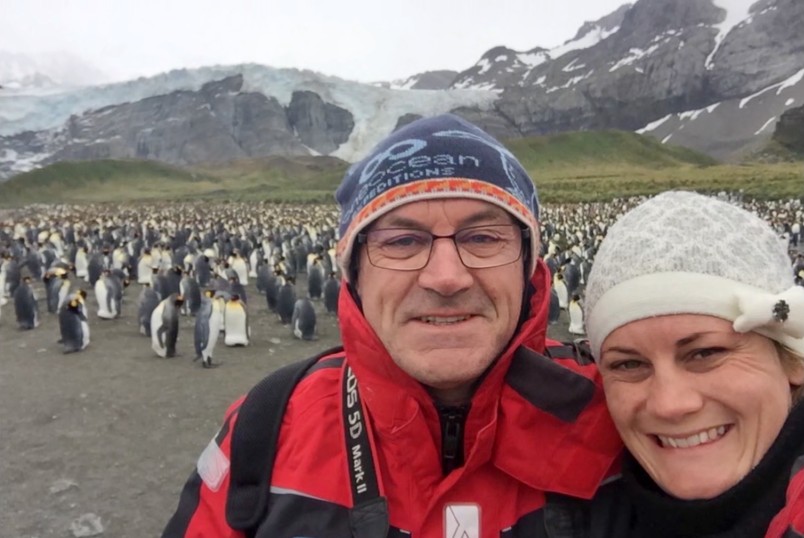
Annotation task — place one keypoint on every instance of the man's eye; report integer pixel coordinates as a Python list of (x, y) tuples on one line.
[(479, 238), (401, 241)]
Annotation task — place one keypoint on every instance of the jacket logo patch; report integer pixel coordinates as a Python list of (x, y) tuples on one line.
[(213, 466), (462, 521)]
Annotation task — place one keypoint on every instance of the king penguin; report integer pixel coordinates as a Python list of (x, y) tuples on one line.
[(236, 329), (555, 309), (64, 289), (239, 265), (105, 296), (303, 319), (165, 325), (332, 288), (315, 278), (73, 326), (207, 329), (52, 285), (144, 267), (561, 290), (25, 305), (148, 301), (3, 288), (188, 287), (286, 300), (82, 263), (272, 287), (576, 315)]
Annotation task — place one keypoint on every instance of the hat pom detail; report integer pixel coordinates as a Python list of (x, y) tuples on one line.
[(782, 312)]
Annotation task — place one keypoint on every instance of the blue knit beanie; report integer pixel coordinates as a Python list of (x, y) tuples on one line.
[(431, 158)]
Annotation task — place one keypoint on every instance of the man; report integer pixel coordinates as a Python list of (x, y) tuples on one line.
[(468, 429)]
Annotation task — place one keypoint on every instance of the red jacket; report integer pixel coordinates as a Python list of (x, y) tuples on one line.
[(789, 522), (534, 428)]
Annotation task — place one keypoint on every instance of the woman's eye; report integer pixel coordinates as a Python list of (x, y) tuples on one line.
[(627, 364), (706, 352)]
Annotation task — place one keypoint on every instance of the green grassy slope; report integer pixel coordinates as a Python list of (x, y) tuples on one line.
[(568, 167)]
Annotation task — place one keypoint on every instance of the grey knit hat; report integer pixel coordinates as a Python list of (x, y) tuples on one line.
[(685, 253), (433, 158)]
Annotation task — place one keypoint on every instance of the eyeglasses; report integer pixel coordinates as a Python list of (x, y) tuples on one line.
[(479, 247)]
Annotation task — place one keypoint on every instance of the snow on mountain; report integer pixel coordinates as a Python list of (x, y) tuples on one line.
[(737, 12), (429, 80), (734, 127), (595, 35), (501, 67), (521, 63)]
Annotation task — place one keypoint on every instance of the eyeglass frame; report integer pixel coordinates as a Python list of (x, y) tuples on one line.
[(524, 235)]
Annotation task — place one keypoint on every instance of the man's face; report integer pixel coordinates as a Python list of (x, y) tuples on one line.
[(443, 324)]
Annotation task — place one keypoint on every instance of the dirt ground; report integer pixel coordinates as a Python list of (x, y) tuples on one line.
[(110, 434)]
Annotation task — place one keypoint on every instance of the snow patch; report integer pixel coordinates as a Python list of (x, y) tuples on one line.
[(635, 54), (589, 39), (570, 67), (484, 65), (571, 82), (692, 115), (779, 86), (736, 12), (532, 59), (789, 102), (765, 125), (501, 58), (486, 86), (666, 138), (654, 124), (792, 81)]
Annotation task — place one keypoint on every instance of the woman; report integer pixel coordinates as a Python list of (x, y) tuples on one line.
[(697, 328)]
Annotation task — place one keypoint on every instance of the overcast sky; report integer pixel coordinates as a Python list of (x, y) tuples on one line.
[(363, 40)]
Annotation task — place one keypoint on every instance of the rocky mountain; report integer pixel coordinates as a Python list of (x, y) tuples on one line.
[(713, 75), (653, 59), (501, 67), (214, 114)]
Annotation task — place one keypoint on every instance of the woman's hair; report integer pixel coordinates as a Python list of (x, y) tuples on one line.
[(791, 361)]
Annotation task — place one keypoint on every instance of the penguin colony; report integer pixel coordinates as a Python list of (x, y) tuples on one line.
[(191, 261), (194, 261)]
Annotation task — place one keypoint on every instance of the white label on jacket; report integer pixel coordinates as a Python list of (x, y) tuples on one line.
[(212, 466), (462, 521)]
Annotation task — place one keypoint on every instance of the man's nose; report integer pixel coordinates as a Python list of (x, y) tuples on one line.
[(445, 273)]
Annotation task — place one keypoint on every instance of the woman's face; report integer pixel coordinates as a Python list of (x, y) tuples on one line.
[(696, 403)]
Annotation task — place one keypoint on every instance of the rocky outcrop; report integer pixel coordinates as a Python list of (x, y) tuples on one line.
[(216, 124), (790, 130), (320, 126)]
